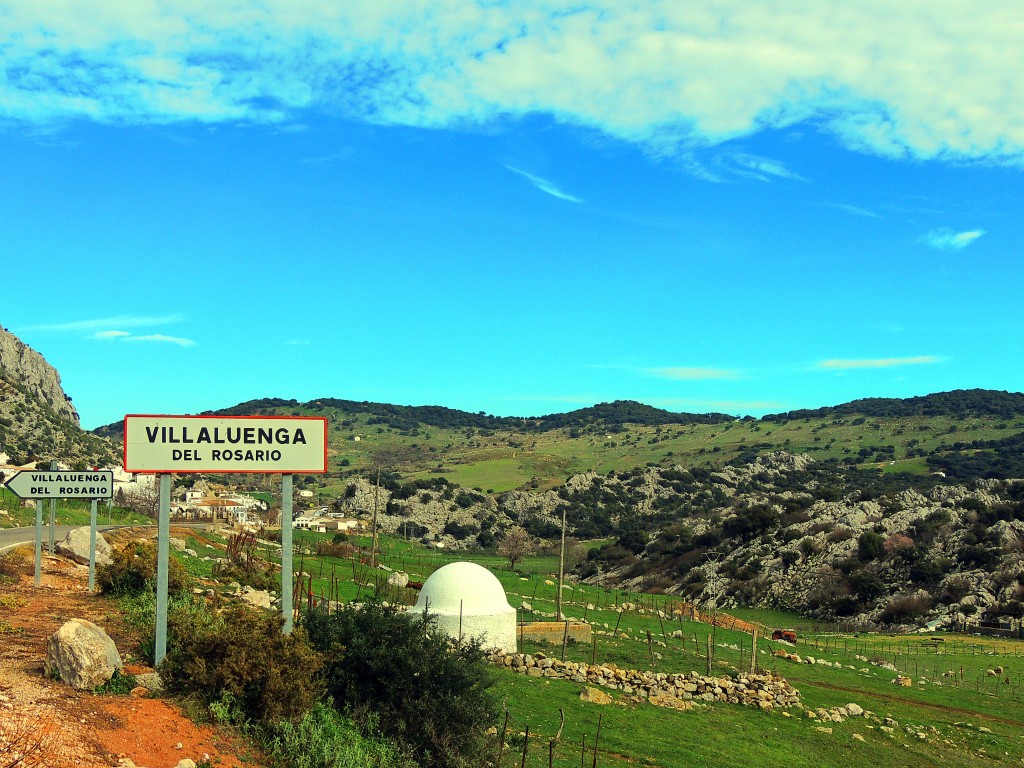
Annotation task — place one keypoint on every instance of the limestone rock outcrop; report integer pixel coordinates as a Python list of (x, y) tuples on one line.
[(81, 654), (76, 546), (22, 365)]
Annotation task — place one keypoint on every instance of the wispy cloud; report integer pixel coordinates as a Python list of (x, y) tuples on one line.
[(948, 240), (682, 373), (100, 324), (112, 329), (161, 338), (665, 75), (761, 168), (854, 210), (545, 186), (881, 362)]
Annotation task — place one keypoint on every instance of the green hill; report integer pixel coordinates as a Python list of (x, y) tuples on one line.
[(966, 433)]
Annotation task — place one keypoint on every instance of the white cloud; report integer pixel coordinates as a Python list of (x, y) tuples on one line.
[(100, 324), (882, 362), (102, 331), (855, 210), (159, 337), (762, 168), (545, 186), (921, 78), (948, 240)]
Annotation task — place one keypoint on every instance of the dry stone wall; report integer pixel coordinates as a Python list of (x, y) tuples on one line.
[(766, 691)]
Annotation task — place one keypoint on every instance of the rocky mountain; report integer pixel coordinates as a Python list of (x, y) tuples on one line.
[(37, 419), (783, 531)]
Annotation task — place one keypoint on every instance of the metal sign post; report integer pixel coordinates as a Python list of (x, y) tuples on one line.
[(39, 541), (53, 518), (279, 445), (52, 545), (92, 546), (162, 548), (54, 484), (286, 552)]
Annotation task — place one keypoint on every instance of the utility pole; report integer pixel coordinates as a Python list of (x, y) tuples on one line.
[(561, 571), (376, 494)]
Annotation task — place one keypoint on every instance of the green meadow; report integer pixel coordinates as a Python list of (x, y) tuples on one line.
[(953, 714), (502, 460)]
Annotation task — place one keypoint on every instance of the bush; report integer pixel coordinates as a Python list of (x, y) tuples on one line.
[(335, 548), (433, 698), (460, 532), (867, 584), (241, 661), (839, 535), (14, 564), (870, 546), (905, 609), (324, 738), (132, 569)]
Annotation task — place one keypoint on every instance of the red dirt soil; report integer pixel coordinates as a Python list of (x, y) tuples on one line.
[(68, 727)]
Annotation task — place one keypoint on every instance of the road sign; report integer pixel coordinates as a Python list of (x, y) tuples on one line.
[(58, 484), (221, 444)]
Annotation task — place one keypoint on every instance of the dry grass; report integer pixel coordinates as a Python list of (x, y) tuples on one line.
[(30, 739)]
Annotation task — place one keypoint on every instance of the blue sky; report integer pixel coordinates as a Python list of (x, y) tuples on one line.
[(516, 208)]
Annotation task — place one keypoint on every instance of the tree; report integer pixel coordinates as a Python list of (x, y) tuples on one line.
[(515, 545), (386, 456)]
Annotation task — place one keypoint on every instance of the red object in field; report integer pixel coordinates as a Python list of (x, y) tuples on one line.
[(784, 634), (415, 585)]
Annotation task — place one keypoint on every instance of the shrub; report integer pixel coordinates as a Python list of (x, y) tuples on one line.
[(433, 698), (257, 578), (925, 572), (808, 546), (460, 532), (955, 589), (241, 660), (867, 584), (335, 548), (870, 546), (324, 738), (839, 535), (14, 564), (132, 569), (905, 609)]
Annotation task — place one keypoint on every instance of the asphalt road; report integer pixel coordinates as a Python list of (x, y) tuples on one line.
[(11, 537)]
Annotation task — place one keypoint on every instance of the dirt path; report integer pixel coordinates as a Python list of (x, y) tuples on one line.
[(76, 728)]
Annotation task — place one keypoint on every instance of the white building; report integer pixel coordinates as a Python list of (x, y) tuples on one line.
[(466, 600)]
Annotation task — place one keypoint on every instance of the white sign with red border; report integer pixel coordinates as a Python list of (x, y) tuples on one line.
[(258, 444)]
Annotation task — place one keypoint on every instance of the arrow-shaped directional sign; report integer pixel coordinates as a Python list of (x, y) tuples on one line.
[(54, 484)]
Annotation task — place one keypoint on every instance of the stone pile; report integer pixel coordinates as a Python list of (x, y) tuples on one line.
[(766, 691)]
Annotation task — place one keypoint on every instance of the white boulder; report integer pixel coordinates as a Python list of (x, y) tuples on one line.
[(81, 654)]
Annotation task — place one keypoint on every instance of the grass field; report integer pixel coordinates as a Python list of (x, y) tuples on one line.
[(502, 460), (965, 718), (14, 515)]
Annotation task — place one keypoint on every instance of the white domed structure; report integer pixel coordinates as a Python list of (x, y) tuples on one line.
[(466, 600)]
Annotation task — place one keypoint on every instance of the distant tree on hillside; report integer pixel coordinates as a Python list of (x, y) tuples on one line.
[(515, 545)]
